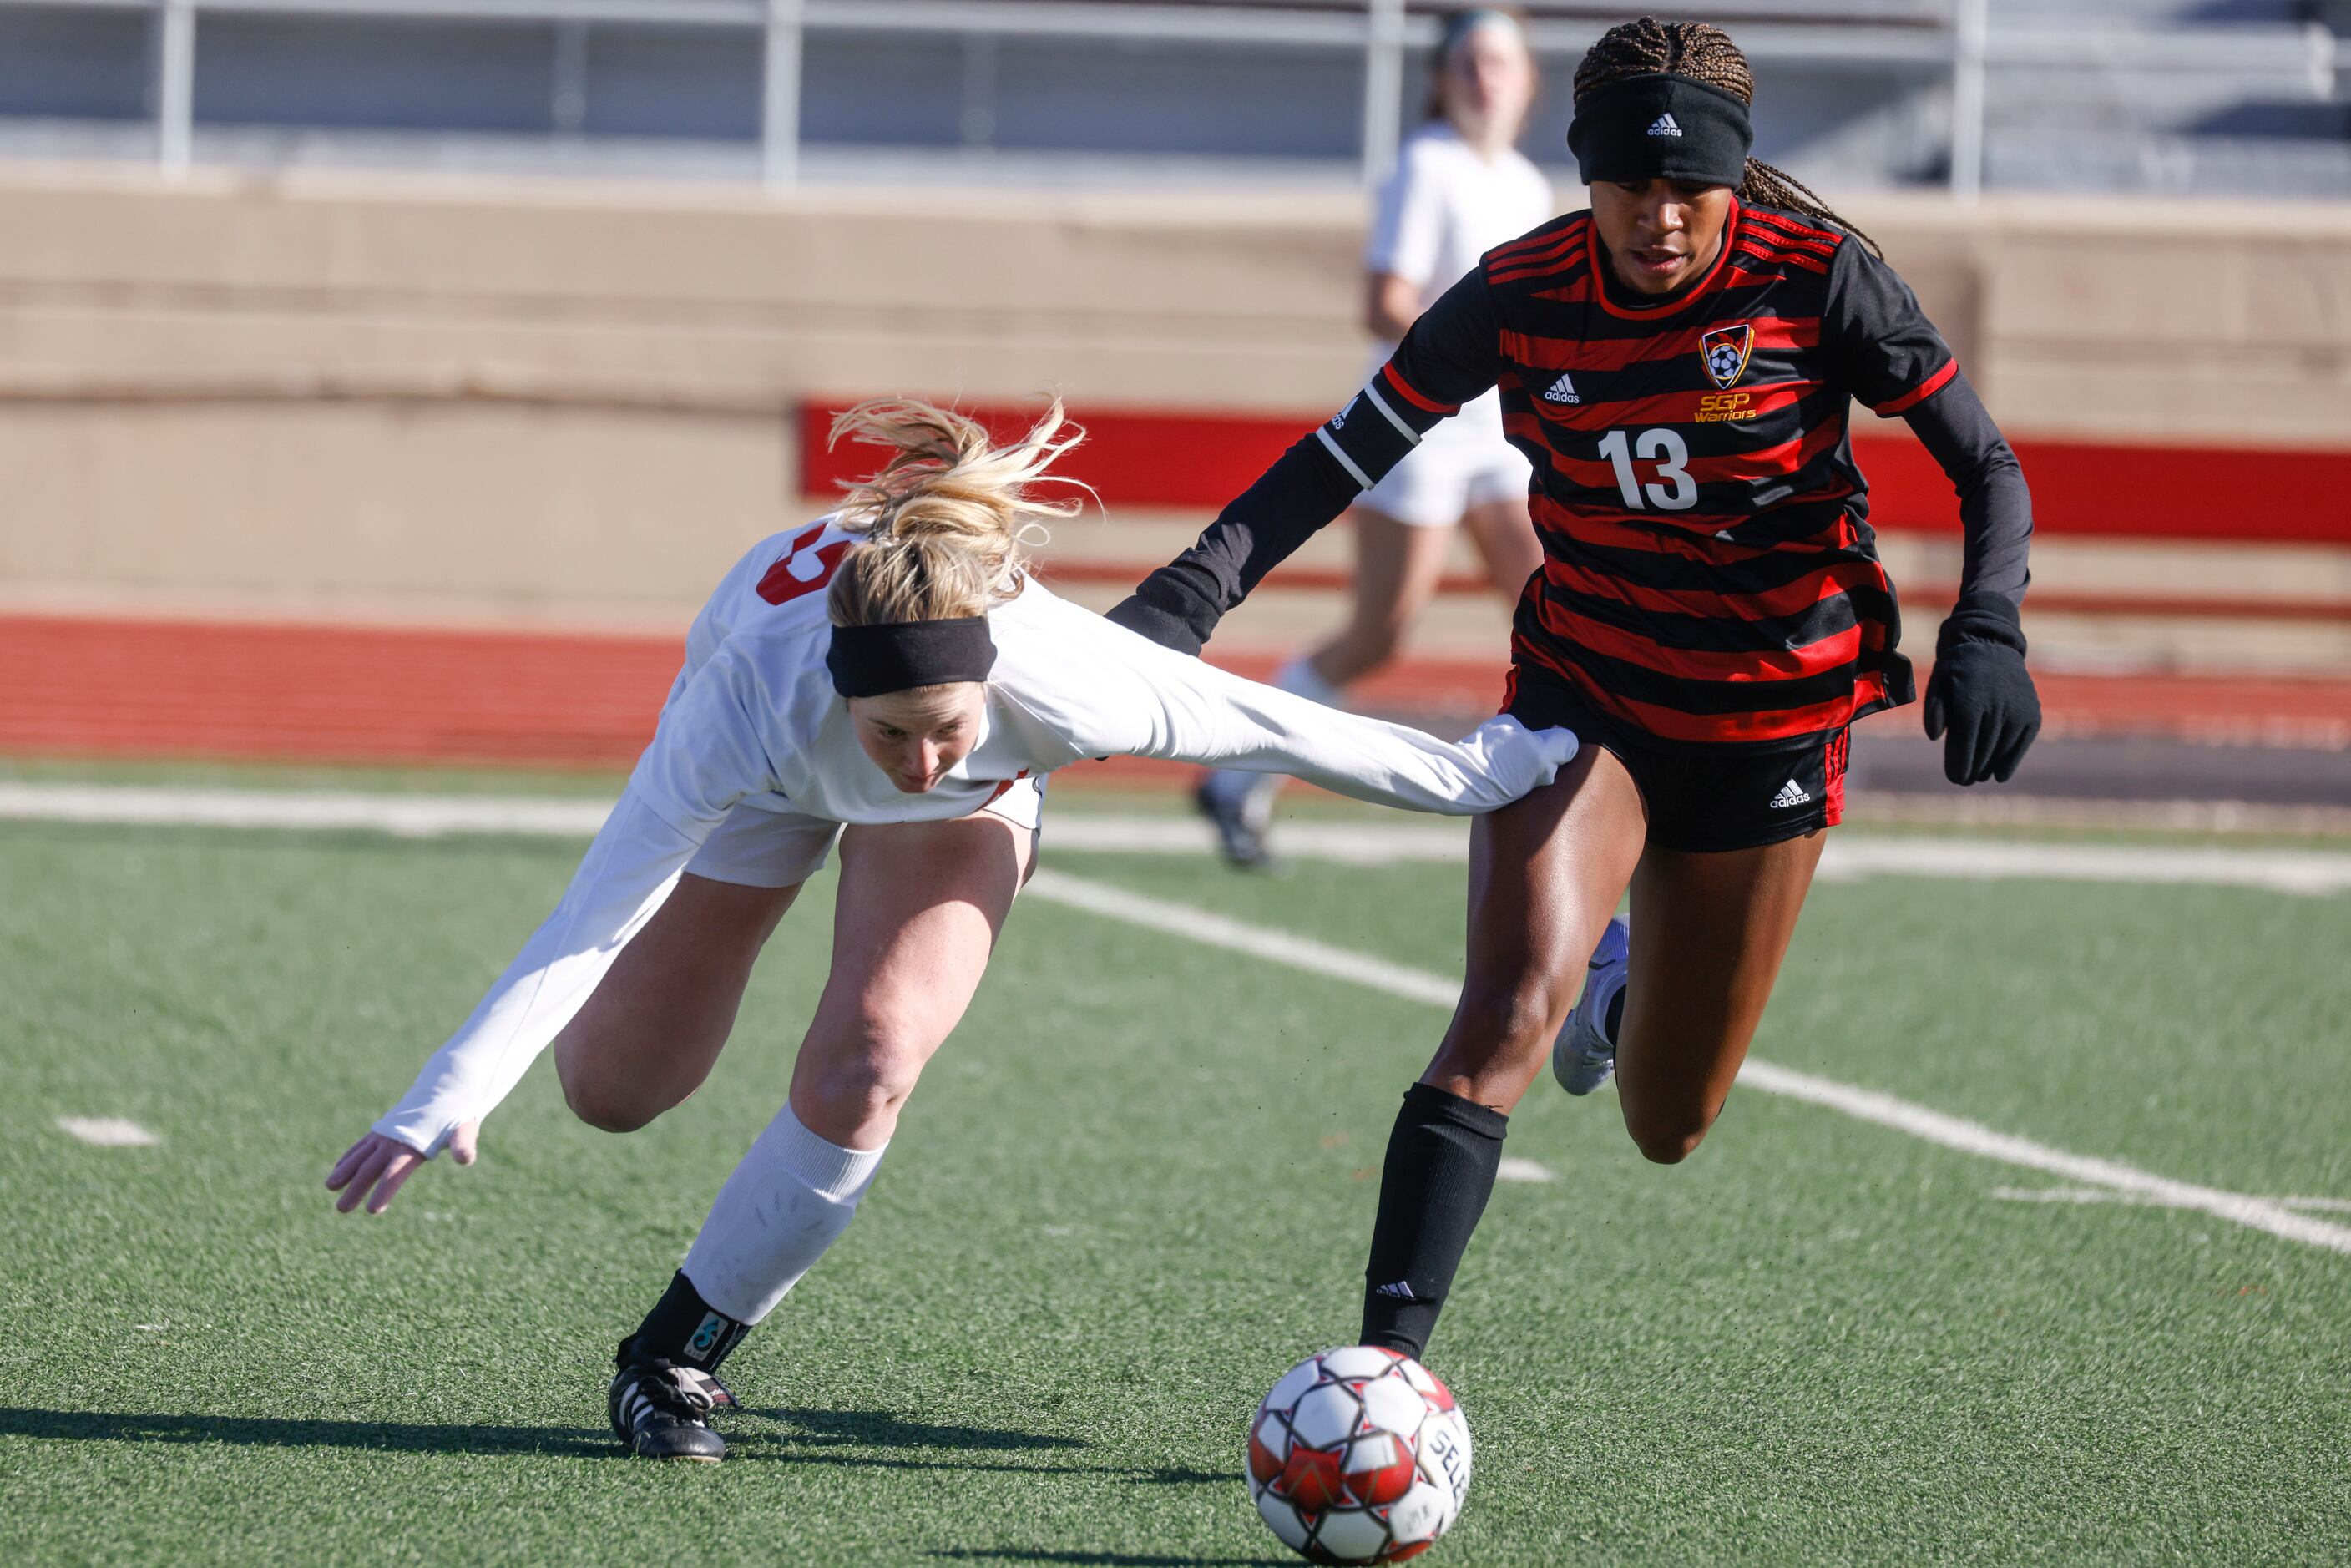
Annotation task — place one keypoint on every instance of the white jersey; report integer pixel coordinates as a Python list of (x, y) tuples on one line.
[(1444, 206), (753, 720), (753, 714)]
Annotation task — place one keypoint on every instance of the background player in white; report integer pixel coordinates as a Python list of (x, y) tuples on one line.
[(1460, 188), (891, 667)]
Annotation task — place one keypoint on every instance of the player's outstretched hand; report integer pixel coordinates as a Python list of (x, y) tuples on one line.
[(384, 1164), (1522, 760), (1980, 702)]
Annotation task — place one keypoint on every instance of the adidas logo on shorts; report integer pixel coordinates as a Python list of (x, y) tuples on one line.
[(1665, 125), (1563, 391), (1791, 794)]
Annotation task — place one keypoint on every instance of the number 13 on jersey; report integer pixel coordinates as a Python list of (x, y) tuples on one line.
[(1667, 449)]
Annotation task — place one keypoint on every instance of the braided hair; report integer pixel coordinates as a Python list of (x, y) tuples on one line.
[(1705, 54)]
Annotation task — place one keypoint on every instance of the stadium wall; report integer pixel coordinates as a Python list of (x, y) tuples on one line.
[(390, 399)]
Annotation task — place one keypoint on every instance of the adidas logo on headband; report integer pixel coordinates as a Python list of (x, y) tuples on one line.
[(1665, 125)]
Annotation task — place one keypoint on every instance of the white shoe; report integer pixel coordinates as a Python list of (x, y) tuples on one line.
[(1583, 1058)]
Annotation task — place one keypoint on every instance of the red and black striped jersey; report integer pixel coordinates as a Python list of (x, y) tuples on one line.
[(1709, 575)]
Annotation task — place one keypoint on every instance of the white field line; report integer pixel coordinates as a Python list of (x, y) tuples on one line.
[(1513, 1168), (110, 1132), (2282, 871), (1863, 1104), (2307, 872), (2089, 1195), (404, 816)]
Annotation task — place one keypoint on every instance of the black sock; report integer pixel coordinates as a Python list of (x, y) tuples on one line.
[(685, 1329), (1439, 1173), (1616, 1013)]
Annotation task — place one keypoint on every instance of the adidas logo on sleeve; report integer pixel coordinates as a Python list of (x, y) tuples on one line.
[(1564, 389), (1665, 125)]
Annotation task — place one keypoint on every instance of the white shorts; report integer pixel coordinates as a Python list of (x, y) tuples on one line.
[(1461, 463), (755, 847)]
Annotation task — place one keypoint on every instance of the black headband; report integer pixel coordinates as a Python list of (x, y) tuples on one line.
[(874, 661), (1660, 127)]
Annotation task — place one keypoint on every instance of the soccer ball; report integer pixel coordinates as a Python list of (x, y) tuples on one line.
[(1359, 1455)]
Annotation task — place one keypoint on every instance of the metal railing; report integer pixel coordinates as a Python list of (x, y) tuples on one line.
[(1927, 36)]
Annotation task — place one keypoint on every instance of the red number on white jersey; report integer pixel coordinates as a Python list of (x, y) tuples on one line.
[(802, 568)]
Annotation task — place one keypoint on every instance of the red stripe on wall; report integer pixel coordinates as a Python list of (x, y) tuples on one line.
[(1175, 459), (1131, 457)]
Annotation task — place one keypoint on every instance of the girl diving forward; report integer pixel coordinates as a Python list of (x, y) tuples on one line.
[(888, 676)]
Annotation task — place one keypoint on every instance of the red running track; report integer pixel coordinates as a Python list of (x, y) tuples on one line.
[(91, 687)]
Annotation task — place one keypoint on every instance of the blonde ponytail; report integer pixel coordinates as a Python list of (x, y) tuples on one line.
[(949, 519)]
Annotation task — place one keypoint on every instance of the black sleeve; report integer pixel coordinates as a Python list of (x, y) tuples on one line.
[(1880, 345), (1885, 352), (1452, 354), (1995, 506)]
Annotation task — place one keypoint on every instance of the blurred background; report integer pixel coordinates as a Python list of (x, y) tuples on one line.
[(388, 381)]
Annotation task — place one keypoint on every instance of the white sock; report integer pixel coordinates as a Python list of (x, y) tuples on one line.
[(1298, 678), (791, 1198)]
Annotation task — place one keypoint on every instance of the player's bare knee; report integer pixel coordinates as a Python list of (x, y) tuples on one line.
[(1506, 1019), (601, 1104), (1670, 1142), (862, 1086), (1668, 1148)]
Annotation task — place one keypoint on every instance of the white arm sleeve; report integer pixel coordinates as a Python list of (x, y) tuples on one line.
[(699, 764), (1125, 696), (627, 875)]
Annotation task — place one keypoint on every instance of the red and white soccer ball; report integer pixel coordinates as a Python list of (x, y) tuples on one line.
[(1359, 1455)]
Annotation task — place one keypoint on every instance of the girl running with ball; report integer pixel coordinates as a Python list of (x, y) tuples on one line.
[(891, 678), (1678, 363)]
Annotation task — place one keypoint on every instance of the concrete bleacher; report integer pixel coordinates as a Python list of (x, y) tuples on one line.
[(2178, 95), (364, 401), (2186, 97)]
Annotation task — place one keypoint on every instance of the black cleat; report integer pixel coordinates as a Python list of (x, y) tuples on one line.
[(1240, 808), (662, 1411)]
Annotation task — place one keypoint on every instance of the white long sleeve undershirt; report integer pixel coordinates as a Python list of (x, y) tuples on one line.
[(757, 718), (626, 876)]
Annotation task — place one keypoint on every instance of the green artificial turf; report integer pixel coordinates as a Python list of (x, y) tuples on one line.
[(1133, 1189)]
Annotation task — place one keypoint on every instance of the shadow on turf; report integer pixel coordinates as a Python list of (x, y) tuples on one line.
[(1111, 1559), (818, 1428), (826, 1429), (270, 1431), (879, 1429)]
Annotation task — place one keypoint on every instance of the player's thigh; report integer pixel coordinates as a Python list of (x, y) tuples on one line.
[(1545, 873), (1505, 536), (1398, 564), (1709, 931), (919, 909), (648, 1035)]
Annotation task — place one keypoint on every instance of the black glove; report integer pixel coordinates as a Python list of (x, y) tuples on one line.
[(1980, 692)]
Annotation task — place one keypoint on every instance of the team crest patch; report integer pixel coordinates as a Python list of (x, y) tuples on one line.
[(1725, 350)]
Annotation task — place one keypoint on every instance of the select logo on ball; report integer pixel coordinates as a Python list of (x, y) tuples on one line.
[(1359, 1455)]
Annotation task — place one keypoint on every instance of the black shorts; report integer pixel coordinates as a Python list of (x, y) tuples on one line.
[(1701, 798)]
